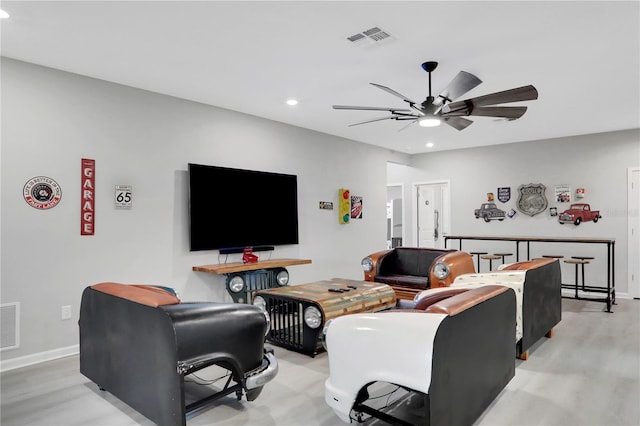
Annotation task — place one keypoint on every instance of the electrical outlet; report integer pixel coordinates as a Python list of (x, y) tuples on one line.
[(66, 312)]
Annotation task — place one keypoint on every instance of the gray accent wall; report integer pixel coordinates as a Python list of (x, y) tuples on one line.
[(51, 119)]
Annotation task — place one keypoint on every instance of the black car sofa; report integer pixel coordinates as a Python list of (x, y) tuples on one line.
[(139, 342), (410, 270)]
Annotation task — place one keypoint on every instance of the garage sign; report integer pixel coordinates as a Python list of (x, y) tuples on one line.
[(87, 197)]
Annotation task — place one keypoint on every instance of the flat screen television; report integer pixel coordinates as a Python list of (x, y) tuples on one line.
[(235, 208)]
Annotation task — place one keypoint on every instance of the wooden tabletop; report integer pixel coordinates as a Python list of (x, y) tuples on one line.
[(357, 296), (227, 268)]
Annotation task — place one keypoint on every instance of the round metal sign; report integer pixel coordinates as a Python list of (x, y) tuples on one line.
[(42, 192)]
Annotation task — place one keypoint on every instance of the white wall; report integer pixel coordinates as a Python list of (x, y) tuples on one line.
[(52, 119), (595, 162)]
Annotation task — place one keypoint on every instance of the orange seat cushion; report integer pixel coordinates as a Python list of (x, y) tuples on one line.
[(143, 294)]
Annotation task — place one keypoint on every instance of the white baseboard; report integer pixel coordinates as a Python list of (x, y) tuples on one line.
[(24, 361)]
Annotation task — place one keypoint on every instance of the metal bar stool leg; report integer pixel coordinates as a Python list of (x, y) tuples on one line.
[(478, 254), (584, 260)]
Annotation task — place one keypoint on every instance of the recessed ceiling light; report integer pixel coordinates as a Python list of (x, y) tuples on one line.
[(292, 102), (3, 14), (429, 144)]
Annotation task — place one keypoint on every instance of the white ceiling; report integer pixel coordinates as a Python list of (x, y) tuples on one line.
[(583, 57)]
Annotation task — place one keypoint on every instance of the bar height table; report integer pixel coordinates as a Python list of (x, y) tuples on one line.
[(610, 244)]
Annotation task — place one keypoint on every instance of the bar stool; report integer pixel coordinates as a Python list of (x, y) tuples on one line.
[(490, 258), (503, 255), (583, 258), (553, 256), (478, 253), (577, 262)]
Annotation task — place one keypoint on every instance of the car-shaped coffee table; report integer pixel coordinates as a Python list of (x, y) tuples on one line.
[(298, 312)]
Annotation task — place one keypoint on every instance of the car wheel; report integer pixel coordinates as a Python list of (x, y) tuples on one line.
[(595, 219), (501, 219), (486, 219), (577, 221)]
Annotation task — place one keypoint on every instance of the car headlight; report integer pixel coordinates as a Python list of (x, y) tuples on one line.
[(260, 303), (324, 335), (312, 317), (236, 284), (282, 277), (441, 270), (367, 264)]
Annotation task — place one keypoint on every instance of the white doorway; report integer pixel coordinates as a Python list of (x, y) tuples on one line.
[(633, 213), (395, 214), (432, 219)]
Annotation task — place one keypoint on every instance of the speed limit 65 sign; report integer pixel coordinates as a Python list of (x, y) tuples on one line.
[(124, 197)]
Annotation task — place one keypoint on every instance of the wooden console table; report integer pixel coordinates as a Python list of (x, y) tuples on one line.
[(610, 244), (256, 276), (227, 268)]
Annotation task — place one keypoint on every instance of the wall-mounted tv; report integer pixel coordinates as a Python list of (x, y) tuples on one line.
[(230, 208)]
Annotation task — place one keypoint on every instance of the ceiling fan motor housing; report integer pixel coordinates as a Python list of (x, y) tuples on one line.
[(429, 66)]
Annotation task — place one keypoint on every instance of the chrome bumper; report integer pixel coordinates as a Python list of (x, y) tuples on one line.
[(263, 374)]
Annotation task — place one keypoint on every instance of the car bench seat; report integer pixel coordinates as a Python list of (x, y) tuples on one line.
[(456, 352), (409, 270), (537, 285), (139, 342)]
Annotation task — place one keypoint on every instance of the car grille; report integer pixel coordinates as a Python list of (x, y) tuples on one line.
[(287, 325), (260, 279)]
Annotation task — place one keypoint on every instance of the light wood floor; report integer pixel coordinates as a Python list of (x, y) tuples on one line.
[(587, 374)]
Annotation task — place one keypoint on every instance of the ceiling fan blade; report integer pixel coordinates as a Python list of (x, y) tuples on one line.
[(491, 111), (410, 123), (525, 93), (457, 123), (461, 84), (372, 120), (500, 111), (367, 108), (394, 93)]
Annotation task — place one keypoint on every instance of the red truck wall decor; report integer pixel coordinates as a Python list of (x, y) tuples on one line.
[(578, 213)]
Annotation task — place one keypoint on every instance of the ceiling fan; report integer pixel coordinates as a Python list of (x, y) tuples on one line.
[(443, 108)]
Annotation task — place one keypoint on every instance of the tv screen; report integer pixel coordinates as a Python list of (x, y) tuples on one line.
[(234, 208)]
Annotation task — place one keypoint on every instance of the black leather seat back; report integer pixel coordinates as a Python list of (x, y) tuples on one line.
[(408, 261)]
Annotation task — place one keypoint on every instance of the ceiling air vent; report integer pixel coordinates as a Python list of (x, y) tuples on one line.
[(370, 36)]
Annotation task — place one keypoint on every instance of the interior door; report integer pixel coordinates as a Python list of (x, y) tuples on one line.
[(427, 217), (432, 201)]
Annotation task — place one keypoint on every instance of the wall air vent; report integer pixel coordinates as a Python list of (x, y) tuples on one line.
[(370, 36), (10, 325)]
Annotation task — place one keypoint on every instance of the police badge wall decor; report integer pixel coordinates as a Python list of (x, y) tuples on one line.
[(532, 199), (504, 194), (42, 192)]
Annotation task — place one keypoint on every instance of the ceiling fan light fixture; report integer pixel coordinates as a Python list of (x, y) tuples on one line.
[(429, 121)]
